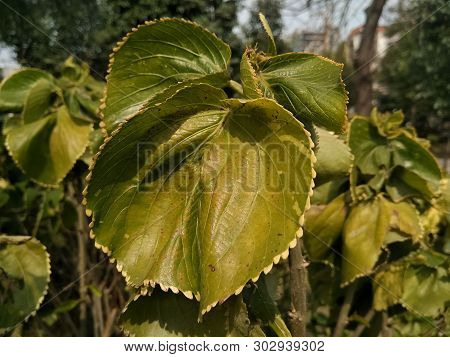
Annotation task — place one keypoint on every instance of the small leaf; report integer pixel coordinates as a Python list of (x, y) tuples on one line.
[(264, 307), (172, 315), (272, 48), (47, 148), (188, 189), (368, 146), (307, 85), (14, 89), (364, 234), (334, 158), (248, 77), (403, 222), (25, 273), (38, 101), (404, 184), (426, 290), (388, 286), (157, 55), (323, 225), (411, 155)]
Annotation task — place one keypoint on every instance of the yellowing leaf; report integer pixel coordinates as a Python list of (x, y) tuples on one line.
[(364, 234), (47, 148), (323, 225), (334, 158), (190, 188)]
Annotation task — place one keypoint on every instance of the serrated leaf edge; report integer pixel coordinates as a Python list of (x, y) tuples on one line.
[(166, 288)]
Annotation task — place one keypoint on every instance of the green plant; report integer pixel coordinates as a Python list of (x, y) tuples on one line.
[(382, 229), (181, 193), (49, 120), (48, 124)]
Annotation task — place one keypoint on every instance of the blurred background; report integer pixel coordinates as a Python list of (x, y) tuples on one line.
[(396, 56)]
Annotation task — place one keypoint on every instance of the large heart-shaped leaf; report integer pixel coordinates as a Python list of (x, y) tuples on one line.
[(15, 88), (171, 315), (363, 236), (308, 85), (47, 148), (25, 273), (155, 56), (201, 193), (334, 158)]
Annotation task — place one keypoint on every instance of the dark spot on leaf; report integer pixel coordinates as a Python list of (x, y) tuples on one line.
[(212, 267)]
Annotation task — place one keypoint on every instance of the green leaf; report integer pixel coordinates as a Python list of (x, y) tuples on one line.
[(248, 77), (404, 222), (388, 286), (38, 100), (404, 184), (364, 234), (172, 315), (25, 273), (190, 188), (157, 55), (334, 158), (272, 48), (326, 192), (15, 88), (426, 290), (309, 86), (263, 306), (368, 146), (411, 155), (47, 148), (323, 225)]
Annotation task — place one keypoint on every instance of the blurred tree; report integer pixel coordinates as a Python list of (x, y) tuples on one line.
[(416, 70), (363, 76), (44, 32)]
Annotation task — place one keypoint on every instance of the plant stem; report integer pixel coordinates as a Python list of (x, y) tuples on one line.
[(345, 309), (81, 232), (39, 215), (237, 87), (298, 291), (360, 328)]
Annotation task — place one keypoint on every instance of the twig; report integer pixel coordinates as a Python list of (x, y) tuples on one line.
[(345, 309), (361, 326), (39, 214), (298, 291), (107, 329), (81, 239)]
